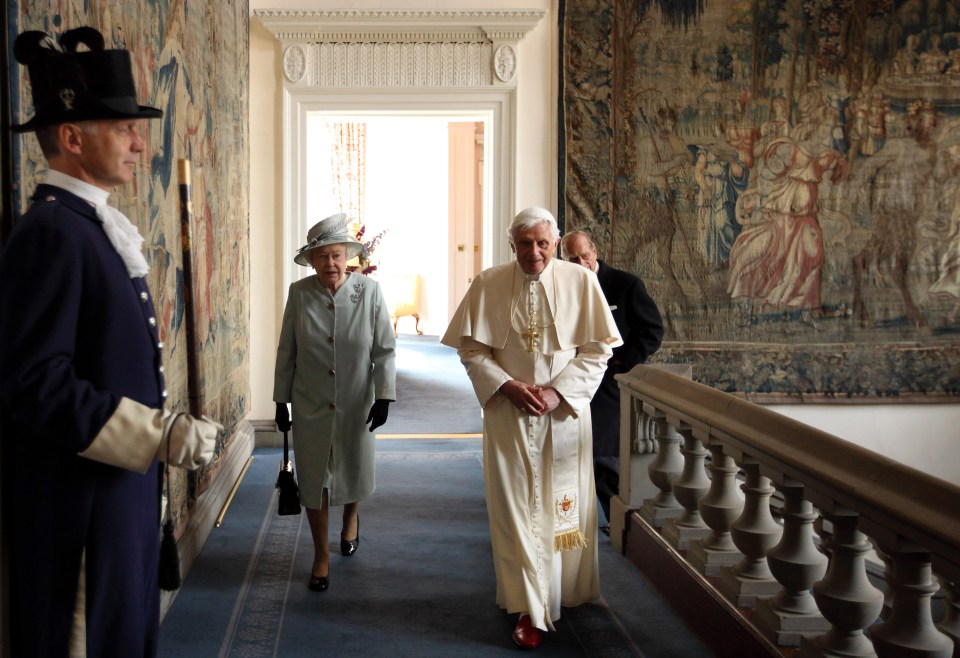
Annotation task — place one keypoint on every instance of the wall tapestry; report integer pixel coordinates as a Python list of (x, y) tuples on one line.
[(785, 177), (190, 59)]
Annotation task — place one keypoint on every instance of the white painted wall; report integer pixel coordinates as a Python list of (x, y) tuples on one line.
[(923, 436), (266, 213)]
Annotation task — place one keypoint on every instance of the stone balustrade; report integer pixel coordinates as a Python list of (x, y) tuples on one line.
[(778, 520)]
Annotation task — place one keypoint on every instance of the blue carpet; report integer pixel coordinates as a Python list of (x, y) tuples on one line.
[(434, 394), (422, 581)]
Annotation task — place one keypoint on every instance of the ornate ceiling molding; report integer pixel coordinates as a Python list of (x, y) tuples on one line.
[(391, 48), (410, 26)]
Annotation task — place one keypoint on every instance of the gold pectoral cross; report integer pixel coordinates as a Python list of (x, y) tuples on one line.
[(531, 335)]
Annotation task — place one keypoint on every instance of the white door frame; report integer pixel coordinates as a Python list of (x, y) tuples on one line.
[(496, 107)]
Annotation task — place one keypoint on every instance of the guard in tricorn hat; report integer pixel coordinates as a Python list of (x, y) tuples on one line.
[(71, 84), (82, 389)]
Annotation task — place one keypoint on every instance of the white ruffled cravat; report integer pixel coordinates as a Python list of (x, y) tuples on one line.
[(121, 232)]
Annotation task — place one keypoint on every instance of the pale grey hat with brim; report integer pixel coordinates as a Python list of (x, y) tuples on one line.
[(335, 229)]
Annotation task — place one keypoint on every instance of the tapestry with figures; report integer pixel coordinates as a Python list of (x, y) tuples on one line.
[(190, 60), (785, 178)]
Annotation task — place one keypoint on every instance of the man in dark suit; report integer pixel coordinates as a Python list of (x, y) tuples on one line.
[(641, 328), (82, 388)]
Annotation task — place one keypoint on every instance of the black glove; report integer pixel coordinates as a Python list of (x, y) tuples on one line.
[(378, 413), (283, 417)]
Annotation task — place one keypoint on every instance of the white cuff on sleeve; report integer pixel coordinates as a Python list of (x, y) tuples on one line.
[(130, 437)]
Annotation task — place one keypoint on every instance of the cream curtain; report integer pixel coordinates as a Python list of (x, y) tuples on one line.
[(349, 155)]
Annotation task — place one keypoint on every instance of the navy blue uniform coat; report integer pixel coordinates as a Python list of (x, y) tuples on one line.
[(75, 336)]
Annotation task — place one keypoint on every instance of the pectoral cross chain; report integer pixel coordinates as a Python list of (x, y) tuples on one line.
[(531, 334)]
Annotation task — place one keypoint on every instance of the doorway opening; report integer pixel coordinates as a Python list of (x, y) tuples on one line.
[(475, 130), (416, 186)]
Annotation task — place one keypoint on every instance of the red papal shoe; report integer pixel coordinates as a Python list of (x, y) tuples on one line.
[(526, 635)]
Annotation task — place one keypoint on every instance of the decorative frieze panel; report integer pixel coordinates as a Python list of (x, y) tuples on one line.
[(400, 49), (389, 64)]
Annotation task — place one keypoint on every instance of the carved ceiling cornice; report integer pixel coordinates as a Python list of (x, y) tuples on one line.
[(399, 26)]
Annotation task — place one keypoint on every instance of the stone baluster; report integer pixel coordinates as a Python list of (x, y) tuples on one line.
[(844, 595), (755, 532), (689, 488), (720, 507), (638, 447), (796, 563), (887, 579), (645, 434), (909, 629), (663, 470), (638, 450), (951, 619)]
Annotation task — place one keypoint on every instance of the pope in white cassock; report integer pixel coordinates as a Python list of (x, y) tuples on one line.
[(534, 336)]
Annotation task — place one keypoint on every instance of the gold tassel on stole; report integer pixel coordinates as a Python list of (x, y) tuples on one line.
[(568, 541)]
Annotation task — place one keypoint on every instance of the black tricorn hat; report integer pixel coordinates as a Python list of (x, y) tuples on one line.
[(68, 85)]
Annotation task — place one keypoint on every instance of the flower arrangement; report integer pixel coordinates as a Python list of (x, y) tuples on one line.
[(365, 266)]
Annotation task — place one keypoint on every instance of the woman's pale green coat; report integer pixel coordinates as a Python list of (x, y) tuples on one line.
[(336, 356)]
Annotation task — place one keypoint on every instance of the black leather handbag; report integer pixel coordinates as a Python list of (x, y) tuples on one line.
[(289, 499)]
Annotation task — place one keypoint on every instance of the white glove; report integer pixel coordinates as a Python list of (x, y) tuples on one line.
[(188, 442), (136, 434)]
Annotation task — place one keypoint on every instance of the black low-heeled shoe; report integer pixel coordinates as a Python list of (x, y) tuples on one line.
[(319, 583), (349, 546)]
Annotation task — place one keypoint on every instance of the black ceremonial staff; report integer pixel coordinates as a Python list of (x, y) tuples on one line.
[(170, 578), (189, 314)]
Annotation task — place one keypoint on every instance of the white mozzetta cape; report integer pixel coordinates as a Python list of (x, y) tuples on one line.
[(484, 316)]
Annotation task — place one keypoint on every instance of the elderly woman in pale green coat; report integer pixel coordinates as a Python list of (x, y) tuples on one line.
[(336, 364)]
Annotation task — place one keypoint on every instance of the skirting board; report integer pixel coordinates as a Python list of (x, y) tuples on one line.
[(717, 621)]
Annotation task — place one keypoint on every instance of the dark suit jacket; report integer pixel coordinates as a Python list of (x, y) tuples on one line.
[(77, 333), (641, 328)]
